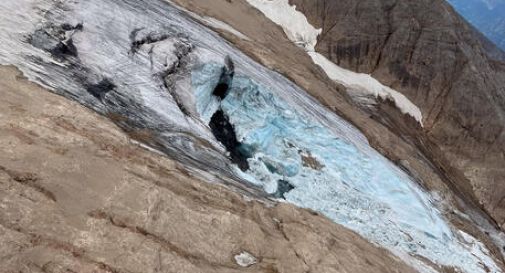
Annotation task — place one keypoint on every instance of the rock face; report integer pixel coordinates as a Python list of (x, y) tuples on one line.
[(428, 52), (77, 195)]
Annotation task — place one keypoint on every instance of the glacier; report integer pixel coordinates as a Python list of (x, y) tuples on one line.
[(347, 181), (153, 68)]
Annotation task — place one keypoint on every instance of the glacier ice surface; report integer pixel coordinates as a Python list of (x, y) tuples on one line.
[(350, 183)]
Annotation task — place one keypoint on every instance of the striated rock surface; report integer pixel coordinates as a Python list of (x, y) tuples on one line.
[(78, 195)]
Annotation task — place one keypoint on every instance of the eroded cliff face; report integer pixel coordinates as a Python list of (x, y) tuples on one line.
[(78, 194), (430, 54)]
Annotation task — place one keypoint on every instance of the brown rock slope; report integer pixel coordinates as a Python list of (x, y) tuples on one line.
[(428, 52), (77, 196)]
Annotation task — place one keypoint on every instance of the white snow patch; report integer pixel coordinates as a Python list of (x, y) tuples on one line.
[(364, 85), (145, 146), (215, 23), (294, 23), (245, 259), (301, 32)]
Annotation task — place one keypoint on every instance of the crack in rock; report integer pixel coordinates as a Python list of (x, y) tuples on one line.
[(29, 180)]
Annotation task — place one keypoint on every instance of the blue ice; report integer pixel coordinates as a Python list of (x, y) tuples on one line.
[(357, 188)]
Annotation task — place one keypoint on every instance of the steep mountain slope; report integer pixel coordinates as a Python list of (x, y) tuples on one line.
[(425, 50), (179, 88), (487, 16), (78, 195)]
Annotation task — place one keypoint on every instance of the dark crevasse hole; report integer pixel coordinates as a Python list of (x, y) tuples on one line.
[(225, 79), (98, 90), (224, 132), (221, 90), (69, 27), (283, 187), (220, 125), (67, 48), (64, 49), (271, 168)]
